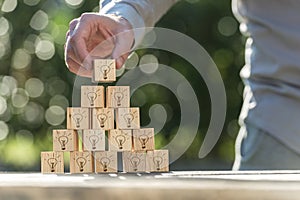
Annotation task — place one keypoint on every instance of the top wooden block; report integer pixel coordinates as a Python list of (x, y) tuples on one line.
[(104, 70)]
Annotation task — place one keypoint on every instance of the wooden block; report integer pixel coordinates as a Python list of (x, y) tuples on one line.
[(157, 161), (92, 96), (134, 161), (143, 139), (128, 118), (93, 140), (65, 140), (52, 162), (106, 161), (104, 70), (120, 140), (118, 97), (103, 118), (77, 118), (81, 162)]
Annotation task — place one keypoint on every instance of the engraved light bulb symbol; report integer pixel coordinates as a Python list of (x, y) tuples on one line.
[(52, 162), (105, 161), (118, 97), (92, 97), (105, 70), (77, 118), (120, 139), (135, 161), (81, 163), (143, 140), (102, 118), (63, 140), (94, 139), (128, 118), (158, 160)]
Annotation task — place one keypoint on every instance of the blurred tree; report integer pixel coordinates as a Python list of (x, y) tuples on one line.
[(36, 87)]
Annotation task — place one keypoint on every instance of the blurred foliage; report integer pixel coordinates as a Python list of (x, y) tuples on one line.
[(36, 87)]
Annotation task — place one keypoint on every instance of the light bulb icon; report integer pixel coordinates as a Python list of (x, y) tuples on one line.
[(118, 97), (120, 139), (102, 119), (128, 118), (77, 118), (81, 163), (52, 162), (143, 140), (158, 160), (135, 161), (63, 140), (105, 69), (92, 97), (94, 139), (105, 161)]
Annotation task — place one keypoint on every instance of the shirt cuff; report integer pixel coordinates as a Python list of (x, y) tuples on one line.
[(131, 15)]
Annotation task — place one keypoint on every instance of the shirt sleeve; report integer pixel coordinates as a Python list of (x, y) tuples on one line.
[(139, 13)]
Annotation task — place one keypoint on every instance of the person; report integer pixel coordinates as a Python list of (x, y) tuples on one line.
[(269, 119)]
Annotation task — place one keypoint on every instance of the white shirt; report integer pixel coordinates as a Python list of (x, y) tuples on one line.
[(272, 58)]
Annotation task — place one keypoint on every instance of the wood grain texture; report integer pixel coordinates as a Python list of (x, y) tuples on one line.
[(93, 140), (104, 70), (157, 161), (92, 96), (106, 161), (143, 139), (118, 96), (77, 118), (128, 118), (103, 118), (52, 162), (81, 162), (134, 161), (120, 140), (175, 185), (65, 140)]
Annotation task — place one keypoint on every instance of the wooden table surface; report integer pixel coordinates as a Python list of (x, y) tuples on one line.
[(198, 185)]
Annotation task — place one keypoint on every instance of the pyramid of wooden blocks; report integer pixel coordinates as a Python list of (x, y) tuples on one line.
[(104, 112)]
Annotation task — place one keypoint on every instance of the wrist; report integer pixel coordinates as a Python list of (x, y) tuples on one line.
[(125, 27), (129, 17)]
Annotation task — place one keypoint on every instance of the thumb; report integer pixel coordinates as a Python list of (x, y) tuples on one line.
[(123, 43)]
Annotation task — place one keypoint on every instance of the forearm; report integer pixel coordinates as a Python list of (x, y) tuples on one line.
[(139, 13)]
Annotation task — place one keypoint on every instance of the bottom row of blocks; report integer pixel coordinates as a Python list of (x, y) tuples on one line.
[(106, 161)]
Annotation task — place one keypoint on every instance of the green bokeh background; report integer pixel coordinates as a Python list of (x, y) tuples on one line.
[(36, 87)]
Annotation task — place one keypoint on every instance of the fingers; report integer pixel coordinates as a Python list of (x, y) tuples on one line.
[(73, 23), (96, 36), (103, 49), (79, 39), (121, 51), (73, 63), (77, 69), (120, 61), (72, 26), (123, 43), (76, 48), (69, 53)]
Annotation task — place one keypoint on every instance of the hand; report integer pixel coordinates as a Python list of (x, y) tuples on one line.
[(97, 36)]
